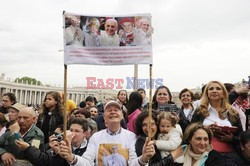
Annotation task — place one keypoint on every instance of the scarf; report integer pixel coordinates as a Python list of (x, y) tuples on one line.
[(200, 158)]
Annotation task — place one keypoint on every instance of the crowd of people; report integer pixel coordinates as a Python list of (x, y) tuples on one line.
[(118, 131), (107, 31)]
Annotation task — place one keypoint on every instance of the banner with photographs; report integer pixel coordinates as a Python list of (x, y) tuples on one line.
[(107, 40)]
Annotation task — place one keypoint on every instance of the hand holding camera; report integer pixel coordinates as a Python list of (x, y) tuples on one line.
[(56, 138), (59, 136), (54, 142)]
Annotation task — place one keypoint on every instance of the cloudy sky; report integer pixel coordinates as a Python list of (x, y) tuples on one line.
[(194, 41)]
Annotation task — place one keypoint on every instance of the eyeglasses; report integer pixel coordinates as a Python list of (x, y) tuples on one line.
[(164, 94)]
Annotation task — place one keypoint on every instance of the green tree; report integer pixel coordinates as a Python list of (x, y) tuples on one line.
[(28, 80)]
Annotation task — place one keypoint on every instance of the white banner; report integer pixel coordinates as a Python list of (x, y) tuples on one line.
[(107, 40)]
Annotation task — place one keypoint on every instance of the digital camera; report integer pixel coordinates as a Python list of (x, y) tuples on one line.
[(172, 108), (59, 136)]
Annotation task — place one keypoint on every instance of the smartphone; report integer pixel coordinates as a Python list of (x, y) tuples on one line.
[(17, 136)]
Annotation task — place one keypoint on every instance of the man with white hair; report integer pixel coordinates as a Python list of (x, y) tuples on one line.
[(109, 37), (25, 130), (91, 32), (101, 143), (143, 33), (73, 34), (145, 24)]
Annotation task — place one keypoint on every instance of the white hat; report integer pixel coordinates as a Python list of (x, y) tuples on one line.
[(17, 106), (113, 103)]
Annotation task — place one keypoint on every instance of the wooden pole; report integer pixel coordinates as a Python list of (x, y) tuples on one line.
[(65, 89), (150, 104), (65, 103), (136, 77)]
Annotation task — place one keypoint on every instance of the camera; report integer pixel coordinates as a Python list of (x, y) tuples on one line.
[(172, 108), (59, 136), (169, 108)]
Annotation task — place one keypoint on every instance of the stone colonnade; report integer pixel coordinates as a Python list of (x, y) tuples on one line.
[(35, 94)]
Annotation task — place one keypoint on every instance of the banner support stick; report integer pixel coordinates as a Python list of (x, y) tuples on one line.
[(150, 103), (65, 103), (136, 77)]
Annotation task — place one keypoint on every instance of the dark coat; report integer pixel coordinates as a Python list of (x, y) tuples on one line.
[(56, 119), (242, 160), (38, 158), (156, 160), (7, 141), (215, 159)]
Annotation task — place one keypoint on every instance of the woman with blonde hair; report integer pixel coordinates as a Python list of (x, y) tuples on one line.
[(216, 113)]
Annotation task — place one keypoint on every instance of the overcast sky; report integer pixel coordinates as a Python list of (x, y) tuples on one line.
[(194, 41)]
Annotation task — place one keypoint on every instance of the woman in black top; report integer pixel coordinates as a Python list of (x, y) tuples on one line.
[(141, 130), (52, 114)]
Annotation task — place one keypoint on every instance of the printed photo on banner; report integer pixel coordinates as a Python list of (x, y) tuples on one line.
[(106, 40), (112, 154)]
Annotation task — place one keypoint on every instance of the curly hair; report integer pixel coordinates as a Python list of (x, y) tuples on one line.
[(139, 120), (225, 106), (59, 107), (172, 117)]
